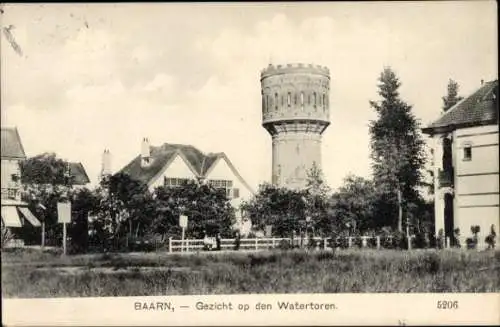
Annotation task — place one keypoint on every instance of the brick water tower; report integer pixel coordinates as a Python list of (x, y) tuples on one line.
[(295, 111)]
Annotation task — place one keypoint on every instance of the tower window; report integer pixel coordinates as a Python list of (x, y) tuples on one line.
[(467, 152), (275, 101), (289, 99), (302, 99), (315, 100), (282, 101), (309, 99)]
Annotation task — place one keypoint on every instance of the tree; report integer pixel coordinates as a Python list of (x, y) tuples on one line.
[(279, 207), (452, 97), (317, 195), (124, 206), (397, 146), (208, 209), (353, 205), (45, 181)]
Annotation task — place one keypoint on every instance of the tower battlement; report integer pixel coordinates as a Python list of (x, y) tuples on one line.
[(295, 112), (294, 68)]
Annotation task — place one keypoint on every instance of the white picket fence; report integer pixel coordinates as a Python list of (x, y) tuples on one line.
[(194, 245)]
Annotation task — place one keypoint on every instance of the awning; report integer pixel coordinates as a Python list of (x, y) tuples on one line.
[(29, 216), (10, 216)]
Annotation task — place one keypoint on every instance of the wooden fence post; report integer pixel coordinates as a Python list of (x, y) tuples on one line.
[(274, 243), (447, 244), (170, 244), (363, 242), (378, 242), (256, 244), (325, 243), (349, 242)]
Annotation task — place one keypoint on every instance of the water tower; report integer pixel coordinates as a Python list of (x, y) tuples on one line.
[(295, 111)]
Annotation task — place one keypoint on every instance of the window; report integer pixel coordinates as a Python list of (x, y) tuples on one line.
[(289, 99), (467, 152), (324, 102), (302, 100), (174, 182), (275, 101), (315, 100), (236, 193)]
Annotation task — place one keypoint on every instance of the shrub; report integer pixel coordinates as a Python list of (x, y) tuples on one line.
[(421, 241), (284, 245)]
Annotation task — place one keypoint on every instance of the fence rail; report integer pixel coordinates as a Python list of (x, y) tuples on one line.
[(193, 245)]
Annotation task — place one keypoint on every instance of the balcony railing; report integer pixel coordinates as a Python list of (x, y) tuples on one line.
[(10, 193), (446, 178)]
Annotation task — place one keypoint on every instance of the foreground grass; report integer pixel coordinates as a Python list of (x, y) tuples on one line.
[(28, 274)]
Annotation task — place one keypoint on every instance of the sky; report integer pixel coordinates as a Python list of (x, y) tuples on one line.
[(89, 77)]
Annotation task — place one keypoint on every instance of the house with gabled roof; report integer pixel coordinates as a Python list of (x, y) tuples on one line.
[(15, 213), (466, 161), (78, 174), (172, 164)]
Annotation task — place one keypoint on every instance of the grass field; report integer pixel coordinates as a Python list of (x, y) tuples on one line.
[(30, 273)]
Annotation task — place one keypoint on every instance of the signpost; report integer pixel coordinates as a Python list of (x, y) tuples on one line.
[(183, 221), (64, 217)]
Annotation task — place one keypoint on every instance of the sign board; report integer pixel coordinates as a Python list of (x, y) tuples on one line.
[(269, 230), (183, 221), (64, 212)]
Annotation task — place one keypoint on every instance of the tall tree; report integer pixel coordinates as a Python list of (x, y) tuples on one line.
[(397, 146), (452, 97)]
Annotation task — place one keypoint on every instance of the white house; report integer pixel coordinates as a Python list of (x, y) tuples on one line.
[(15, 213), (171, 164), (466, 175)]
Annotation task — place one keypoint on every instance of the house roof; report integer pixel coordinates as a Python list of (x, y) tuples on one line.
[(199, 163), (479, 108), (162, 155), (78, 173), (11, 144)]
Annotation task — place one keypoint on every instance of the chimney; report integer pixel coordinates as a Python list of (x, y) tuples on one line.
[(145, 152), (482, 81), (106, 163)]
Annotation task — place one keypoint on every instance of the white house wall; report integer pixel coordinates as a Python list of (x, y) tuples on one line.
[(477, 180), (9, 168), (177, 169), (223, 171)]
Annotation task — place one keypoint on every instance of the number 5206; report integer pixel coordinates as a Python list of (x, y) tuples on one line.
[(447, 304)]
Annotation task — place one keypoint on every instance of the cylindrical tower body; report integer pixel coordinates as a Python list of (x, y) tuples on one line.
[(295, 111)]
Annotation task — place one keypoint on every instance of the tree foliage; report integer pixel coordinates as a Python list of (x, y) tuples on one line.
[(353, 205), (397, 146), (279, 207), (452, 96), (208, 210)]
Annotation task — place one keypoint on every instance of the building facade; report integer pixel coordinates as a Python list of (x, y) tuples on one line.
[(15, 212), (295, 112), (172, 164), (466, 161)]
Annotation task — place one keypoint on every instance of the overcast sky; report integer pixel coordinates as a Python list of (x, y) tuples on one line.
[(92, 77)]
